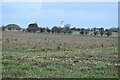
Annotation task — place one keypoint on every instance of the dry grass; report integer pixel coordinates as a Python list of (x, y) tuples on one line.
[(42, 55), (53, 42)]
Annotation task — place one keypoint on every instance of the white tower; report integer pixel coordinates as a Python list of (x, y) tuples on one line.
[(62, 24)]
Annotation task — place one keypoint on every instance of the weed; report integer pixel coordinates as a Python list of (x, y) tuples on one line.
[(76, 61), (115, 61), (101, 67), (34, 47), (15, 39), (58, 47)]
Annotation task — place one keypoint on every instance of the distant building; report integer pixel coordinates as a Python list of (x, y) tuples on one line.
[(62, 24), (12, 27)]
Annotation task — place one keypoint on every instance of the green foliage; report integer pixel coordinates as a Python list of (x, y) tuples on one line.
[(46, 68), (86, 69), (76, 60), (10, 62), (115, 61), (101, 67)]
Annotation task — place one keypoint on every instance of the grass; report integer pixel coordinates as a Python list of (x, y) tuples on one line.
[(101, 67), (56, 65), (114, 34), (39, 55)]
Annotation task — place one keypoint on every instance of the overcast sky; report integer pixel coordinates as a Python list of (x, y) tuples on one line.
[(49, 14)]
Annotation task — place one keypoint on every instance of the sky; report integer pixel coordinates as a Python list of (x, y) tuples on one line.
[(49, 14)]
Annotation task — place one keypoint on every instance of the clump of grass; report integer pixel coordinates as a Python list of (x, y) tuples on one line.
[(34, 47), (7, 40), (8, 57), (24, 66), (14, 73), (60, 44), (101, 67), (86, 69), (65, 56), (43, 49), (58, 48), (76, 61), (15, 39), (113, 45), (51, 68), (91, 56), (29, 50), (102, 45), (9, 62), (93, 64), (45, 38), (42, 63), (115, 61)]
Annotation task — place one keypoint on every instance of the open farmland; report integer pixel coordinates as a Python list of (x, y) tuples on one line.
[(42, 55)]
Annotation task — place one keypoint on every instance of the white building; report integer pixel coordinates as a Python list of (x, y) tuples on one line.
[(62, 24), (12, 27)]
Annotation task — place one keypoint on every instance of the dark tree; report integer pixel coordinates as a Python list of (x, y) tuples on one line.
[(86, 32), (101, 33), (114, 29), (78, 29), (48, 30), (106, 29), (3, 28), (66, 29), (108, 33), (82, 31), (101, 29), (94, 29), (32, 27), (41, 30), (70, 31), (73, 28), (88, 29), (95, 33), (55, 29)]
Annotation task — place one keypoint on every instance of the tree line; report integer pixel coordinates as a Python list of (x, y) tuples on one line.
[(67, 30)]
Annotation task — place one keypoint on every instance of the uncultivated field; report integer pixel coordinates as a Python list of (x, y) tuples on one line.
[(43, 55)]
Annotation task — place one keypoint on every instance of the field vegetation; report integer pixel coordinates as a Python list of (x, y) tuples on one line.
[(50, 55)]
